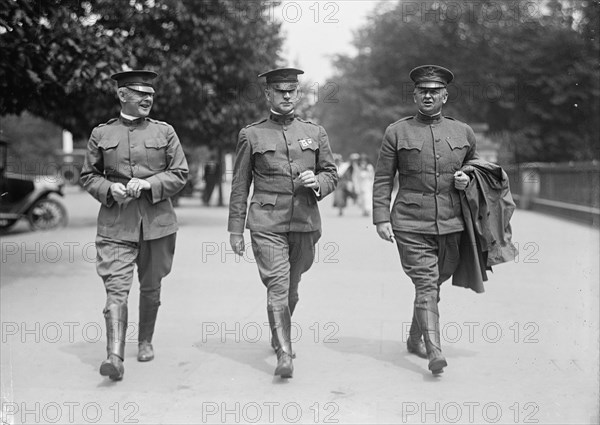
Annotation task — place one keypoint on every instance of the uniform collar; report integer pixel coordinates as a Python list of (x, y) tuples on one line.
[(428, 119), (280, 118), (129, 120)]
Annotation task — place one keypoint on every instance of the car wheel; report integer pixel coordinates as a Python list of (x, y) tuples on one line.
[(46, 214)]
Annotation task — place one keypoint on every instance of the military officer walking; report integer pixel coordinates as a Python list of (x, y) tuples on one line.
[(427, 152), (290, 162), (134, 164)]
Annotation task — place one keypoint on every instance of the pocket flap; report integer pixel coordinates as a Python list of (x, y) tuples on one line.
[(155, 143), (410, 144), (456, 143), (108, 143), (264, 199), (265, 146)]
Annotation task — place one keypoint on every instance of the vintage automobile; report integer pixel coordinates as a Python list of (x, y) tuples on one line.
[(30, 197)]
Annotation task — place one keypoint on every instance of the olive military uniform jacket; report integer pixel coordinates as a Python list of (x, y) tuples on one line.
[(144, 148), (425, 152), (271, 154)]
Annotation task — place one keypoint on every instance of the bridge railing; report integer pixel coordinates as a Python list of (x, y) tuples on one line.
[(570, 190)]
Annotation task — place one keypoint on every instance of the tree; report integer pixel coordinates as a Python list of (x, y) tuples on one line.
[(208, 54), (59, 56), (526, 68), (54, 60)]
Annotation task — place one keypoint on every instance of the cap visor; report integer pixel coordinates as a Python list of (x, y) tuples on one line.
[(284, 86), (430, 85), (144, 89)]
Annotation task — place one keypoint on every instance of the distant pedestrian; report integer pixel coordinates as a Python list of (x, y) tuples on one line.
[(212, 176), (345, 186), (363, 177), (134, 165), (290, 162)]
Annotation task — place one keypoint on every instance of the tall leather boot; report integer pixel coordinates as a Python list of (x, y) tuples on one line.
[(292, 305), (414, 343), (147, 320), (274, 339), (280, 330), (116, 328), (426, 312)]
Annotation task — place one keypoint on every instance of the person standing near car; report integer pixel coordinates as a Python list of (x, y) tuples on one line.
[(292, 167), (427, 151), (133, 165)]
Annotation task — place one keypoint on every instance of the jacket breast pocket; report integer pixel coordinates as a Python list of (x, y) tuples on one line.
[(309, 157), (264, 147), (459, 148), (265, 161), (264, 156), (110, 156), (409, 156), (156, 152)]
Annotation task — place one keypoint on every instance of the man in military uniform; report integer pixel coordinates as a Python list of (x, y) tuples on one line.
[(427, 151), (133, 165), (291, 164)]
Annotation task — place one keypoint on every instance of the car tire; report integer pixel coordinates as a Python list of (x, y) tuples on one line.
[(47, 214)]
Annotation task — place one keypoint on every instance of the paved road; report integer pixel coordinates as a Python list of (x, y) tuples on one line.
[(526, 351)]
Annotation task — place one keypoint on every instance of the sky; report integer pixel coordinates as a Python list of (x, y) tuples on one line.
[(314, 31)]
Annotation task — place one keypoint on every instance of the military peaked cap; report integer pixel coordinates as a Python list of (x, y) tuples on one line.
[(282, 78), (140, 80), (431, 76)]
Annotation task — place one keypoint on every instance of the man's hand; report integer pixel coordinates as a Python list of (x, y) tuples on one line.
[(385, 232), (135, 187), (461, 180), (237, 243), (308, 179), (119, 193)]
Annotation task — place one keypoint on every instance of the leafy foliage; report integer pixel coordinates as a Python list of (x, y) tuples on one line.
[(529, 69), (56, 64), (59, 56)]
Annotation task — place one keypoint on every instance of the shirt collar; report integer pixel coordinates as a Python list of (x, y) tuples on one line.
[(130, 119), (428, 119), (280, 118)]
